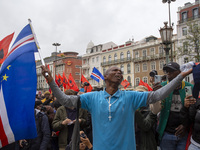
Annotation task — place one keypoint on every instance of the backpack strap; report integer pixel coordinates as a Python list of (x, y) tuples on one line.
[(76, 132)]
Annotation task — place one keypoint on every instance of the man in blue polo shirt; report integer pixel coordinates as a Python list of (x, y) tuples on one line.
[(113, 110)]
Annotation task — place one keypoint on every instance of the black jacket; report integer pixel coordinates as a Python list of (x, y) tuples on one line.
[(193, 113), (43, 133)]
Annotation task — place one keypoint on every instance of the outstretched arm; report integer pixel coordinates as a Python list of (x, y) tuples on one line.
[(163, 92), (65, 100)]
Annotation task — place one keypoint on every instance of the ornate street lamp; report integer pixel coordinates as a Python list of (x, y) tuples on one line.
[(166, 36), (169, 1)]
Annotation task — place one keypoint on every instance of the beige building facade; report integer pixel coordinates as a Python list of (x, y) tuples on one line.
[(148, 55), (120, 56)]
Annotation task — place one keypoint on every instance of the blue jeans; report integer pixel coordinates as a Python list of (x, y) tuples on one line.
[(193, 147), (172, 142)]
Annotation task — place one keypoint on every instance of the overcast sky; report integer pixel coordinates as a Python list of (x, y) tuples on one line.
[(74, 23)]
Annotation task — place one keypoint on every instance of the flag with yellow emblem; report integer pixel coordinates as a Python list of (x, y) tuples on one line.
[(18, 82)]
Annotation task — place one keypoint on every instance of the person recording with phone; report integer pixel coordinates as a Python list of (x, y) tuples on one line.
[(84, 143), (83, 88), (172, 126)]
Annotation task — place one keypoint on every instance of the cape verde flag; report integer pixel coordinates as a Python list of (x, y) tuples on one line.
[(96, 75), (18, 82)]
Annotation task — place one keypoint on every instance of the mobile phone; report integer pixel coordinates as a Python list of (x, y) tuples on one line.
[(157, 78), (188, 90), (83, 135)]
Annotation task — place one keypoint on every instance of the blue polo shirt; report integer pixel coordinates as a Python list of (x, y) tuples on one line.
[(119, 133)]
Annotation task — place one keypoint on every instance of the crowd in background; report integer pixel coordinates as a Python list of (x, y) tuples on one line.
[(172, 123)]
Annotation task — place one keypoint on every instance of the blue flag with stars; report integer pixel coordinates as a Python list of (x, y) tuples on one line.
[(18, 83)]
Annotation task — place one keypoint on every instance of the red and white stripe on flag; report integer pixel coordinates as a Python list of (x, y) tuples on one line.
[(95, 75), (6, 136)]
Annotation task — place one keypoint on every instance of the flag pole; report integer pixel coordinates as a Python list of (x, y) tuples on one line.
[(37, 44)]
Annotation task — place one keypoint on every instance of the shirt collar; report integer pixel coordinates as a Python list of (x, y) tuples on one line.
[(116, 94)]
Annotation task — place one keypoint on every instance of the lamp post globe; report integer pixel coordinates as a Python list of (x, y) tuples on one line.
[(166, 36)]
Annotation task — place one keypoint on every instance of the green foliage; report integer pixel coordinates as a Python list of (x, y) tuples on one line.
[(190, 44)]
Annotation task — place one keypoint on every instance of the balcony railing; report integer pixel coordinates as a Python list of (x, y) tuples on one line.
[(117, 61), (151, 57), (189, 19)]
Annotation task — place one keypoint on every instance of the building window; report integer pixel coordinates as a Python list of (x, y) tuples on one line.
[(136, 54), (137, 81), (153, 66), (152, 51), (109, 58), (195, 13), (77, 66), (115, 57), (186, 60), (184, 31), (128, 68), (185, 47), (104, 70), (184, 16), (129, 79), (97, 59), (161, 64), (77, 81), (137, 68), (145, 79), (128, 55), (51, 68), (144, 53), (121, 56), (104, 59), (84, 61), (144, 67), (77, 73), (93, 60), (122, 69), (161, 50)]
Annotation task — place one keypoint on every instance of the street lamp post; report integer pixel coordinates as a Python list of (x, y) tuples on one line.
[(169, 1), (166, 36), (56, 45)]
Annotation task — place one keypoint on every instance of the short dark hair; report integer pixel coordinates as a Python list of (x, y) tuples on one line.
[(70, 92), (56, 104), (37, 103)]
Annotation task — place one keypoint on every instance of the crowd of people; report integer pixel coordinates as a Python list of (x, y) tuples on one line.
[(165, 118)]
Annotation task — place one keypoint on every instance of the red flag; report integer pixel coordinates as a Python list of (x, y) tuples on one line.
[(146, 85), (65, 82), (48, 67), (56, 80), (125, 83), (72, 83), (4, 46), (60, 80), (87, 88)]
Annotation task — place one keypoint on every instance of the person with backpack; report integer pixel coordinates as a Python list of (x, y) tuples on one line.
[(43, 131)]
